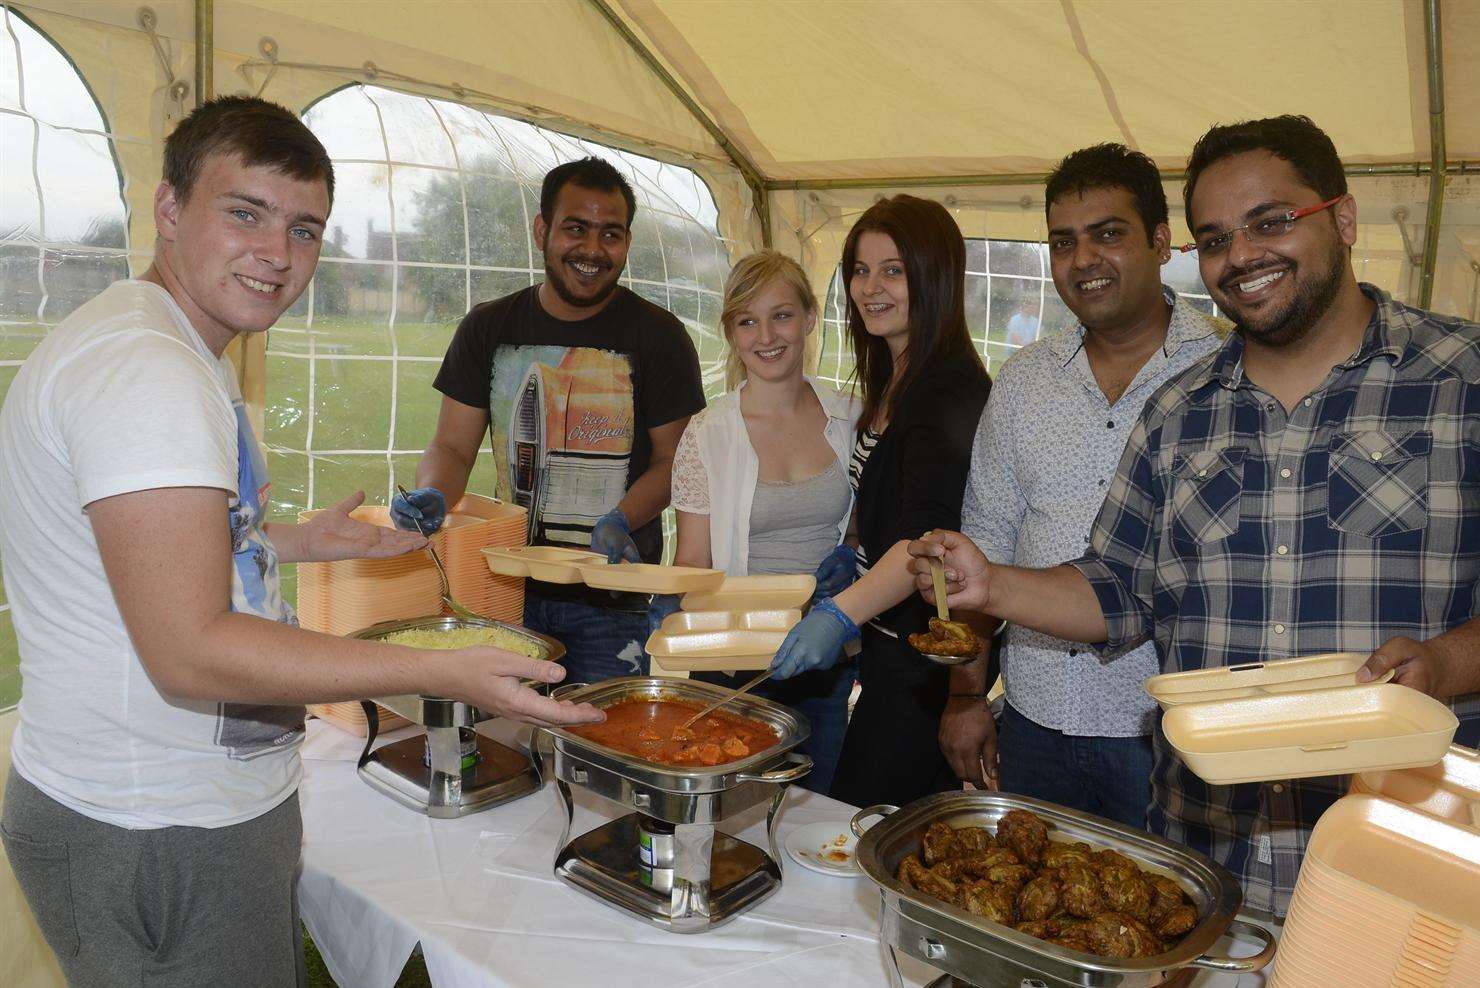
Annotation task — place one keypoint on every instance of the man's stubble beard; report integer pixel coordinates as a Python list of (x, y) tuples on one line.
[(1310, 303)]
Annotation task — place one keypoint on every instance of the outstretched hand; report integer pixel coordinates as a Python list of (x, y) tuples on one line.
[(334, 534), (491, 679)]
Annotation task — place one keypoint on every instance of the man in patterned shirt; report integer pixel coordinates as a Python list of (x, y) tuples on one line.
[(1313, 486), (1075, 730)]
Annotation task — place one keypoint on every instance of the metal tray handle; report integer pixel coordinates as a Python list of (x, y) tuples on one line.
[(799, 766), (1243, 965), (878, 809)]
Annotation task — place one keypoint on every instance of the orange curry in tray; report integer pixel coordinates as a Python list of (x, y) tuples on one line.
[(649, 729)]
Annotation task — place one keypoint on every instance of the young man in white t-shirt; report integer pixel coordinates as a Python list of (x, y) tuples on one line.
[(151, 816)]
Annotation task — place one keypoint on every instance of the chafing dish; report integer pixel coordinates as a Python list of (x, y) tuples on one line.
[(453, 771), (665, 862), (984, 953)]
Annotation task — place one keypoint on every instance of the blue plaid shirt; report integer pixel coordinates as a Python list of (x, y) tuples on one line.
[(1236, 532)]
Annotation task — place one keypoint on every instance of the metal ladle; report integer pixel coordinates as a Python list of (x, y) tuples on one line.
[(458, 609)]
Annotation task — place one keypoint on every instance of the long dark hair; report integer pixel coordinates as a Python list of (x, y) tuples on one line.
[(934, 255)]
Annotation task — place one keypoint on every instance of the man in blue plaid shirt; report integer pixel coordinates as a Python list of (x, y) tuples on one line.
[(1312, 486)]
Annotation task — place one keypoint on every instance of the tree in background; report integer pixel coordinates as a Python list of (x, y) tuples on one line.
[(496, 236)]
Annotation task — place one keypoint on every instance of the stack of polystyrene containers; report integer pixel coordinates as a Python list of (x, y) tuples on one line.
[(1389, 892)]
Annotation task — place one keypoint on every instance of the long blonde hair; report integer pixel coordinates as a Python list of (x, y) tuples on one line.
[(750, 276)]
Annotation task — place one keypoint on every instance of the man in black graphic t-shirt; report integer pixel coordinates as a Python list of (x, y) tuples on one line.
[(584, 388)]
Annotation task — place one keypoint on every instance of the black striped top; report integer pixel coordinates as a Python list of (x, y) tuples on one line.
[(867, 440)]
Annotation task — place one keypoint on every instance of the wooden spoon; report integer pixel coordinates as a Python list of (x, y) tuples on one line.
[(938, 580)]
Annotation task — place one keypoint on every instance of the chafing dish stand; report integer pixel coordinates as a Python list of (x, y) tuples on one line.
[(453, 771), (666, 863)]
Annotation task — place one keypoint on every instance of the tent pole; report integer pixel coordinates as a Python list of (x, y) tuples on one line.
[(1437, 152), (205, 50), (1414, 168), (759, 187)]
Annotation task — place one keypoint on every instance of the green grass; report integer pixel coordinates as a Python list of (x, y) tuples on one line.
[(414, 975)]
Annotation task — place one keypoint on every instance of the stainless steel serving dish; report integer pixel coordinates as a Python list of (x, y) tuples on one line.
[(666, 863), (679, 794), (984, 953), (453, 771), (436, 711)]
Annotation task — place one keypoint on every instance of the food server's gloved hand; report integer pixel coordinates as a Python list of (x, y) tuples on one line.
[(612, 537), (663, 604), (816, 643), (837, 572), (425, 504)]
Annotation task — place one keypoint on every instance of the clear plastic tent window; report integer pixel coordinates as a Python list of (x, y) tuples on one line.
[(1010, 302), (433, 207), (63, 225)]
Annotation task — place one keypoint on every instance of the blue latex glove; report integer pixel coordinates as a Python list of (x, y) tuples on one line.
[(816, 643), (836, 572), (663, 604), (425, 504), (612, 537)]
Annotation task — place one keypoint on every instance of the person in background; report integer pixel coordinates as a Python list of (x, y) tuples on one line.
[(585, 388), (151, 812), (1022, 328), (1309, 487), (1075, 731), (923, 391), (760, 480)]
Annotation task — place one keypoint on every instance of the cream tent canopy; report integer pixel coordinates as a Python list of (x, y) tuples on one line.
[(799, 112)]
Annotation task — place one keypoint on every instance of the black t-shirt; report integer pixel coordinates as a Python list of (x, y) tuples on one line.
[(569, 409)]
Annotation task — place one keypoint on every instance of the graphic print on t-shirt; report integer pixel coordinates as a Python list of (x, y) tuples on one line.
[(248, 730), (562, 424)]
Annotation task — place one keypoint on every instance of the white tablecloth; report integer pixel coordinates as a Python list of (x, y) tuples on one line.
[(479, 895)]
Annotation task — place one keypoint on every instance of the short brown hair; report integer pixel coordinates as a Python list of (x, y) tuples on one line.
[(750, 276), (260, 133)]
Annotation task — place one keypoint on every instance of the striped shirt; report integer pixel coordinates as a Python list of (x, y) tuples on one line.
[(1237, 532), (867, 440)]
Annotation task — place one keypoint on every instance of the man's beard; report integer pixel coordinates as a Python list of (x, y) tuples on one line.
[(1309, 303), (555, 277)]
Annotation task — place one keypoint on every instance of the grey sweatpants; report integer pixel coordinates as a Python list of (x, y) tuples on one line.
[(177, 906)]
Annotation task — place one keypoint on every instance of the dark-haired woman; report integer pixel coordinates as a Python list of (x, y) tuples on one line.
[(924, 388)]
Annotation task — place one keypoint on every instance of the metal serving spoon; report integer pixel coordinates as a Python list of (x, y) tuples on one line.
[(458, 609), (724, 700)]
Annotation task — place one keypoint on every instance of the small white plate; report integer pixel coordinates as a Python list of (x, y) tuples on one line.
[(825, 847)]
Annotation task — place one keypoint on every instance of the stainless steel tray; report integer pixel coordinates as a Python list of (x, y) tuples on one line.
[(791, 729), (436, 711), (986, 953)]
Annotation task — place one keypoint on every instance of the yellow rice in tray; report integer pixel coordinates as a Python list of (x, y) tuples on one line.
[(465, 638)]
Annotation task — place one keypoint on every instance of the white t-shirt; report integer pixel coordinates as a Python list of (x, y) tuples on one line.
[(124, 396)]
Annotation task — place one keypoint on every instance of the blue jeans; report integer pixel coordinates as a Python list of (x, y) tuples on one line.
[(822, 697), (1108, 777), (599, 643)]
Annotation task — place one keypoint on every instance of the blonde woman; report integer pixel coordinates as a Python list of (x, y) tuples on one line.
[(760, 479)]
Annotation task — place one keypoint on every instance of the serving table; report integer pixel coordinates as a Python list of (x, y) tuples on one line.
[(479, 896)]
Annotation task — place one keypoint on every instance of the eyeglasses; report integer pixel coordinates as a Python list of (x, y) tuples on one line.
[(1267, 228)]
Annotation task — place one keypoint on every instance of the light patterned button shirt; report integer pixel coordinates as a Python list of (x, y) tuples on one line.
[(1046, 450), (1235, 531)]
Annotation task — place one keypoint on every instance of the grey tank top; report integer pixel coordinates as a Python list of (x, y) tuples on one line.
[(792, 526)]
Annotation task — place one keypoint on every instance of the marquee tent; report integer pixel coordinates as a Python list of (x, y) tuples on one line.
[(743, 122)]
